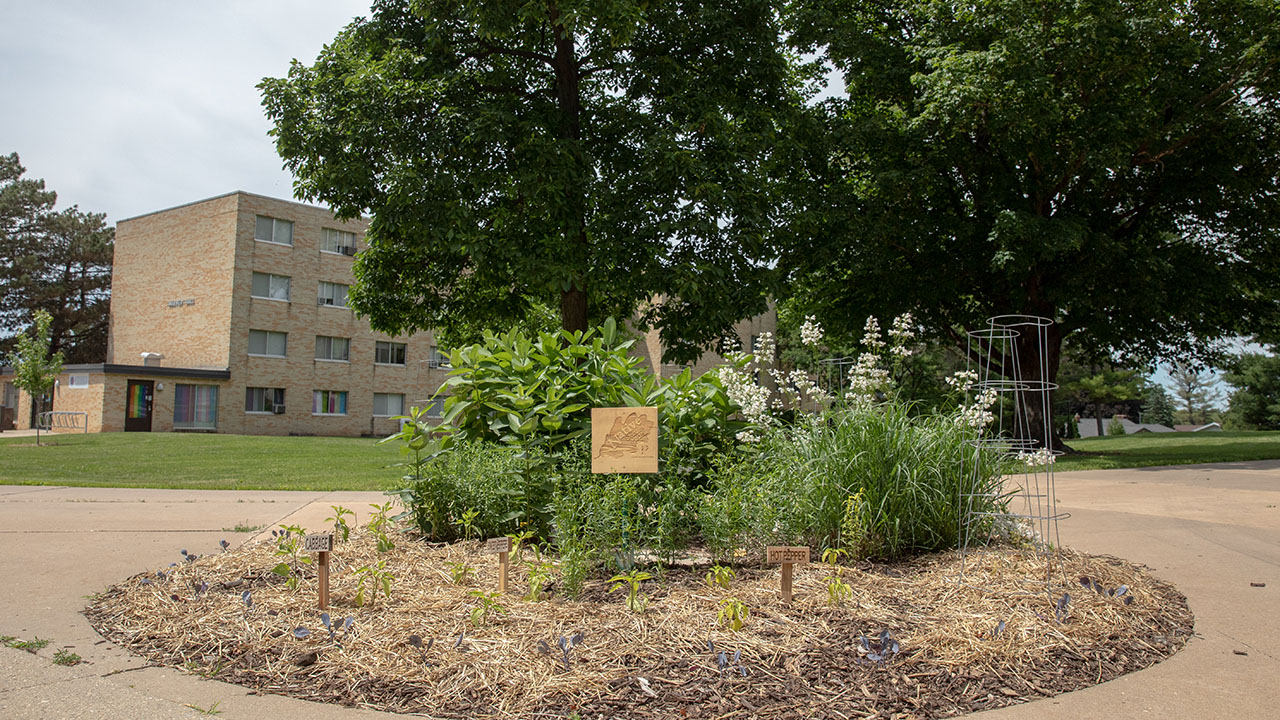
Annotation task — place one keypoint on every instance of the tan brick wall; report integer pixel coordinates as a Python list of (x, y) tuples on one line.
[(87, 400), (300, 374), (181, 254)]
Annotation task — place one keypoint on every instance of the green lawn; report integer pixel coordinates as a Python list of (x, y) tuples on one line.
[(212, 462), (248, 462), (1146, 449)]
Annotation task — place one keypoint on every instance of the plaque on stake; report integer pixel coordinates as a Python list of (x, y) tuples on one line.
[(787, 556), (624, 440), (320, 543), (500, 546)]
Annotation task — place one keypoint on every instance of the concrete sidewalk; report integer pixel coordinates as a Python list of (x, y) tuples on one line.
[(1209, 529)]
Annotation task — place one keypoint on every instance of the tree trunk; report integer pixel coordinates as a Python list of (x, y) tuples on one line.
[(1039, 362), (573, 302), (1097, 415), (573, 309)]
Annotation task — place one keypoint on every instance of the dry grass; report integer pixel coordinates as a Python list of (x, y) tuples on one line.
[(805, 658)]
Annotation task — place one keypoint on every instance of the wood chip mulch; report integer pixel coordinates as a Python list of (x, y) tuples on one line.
[(997, 635)]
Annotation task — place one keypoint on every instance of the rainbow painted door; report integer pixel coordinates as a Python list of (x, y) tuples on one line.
[(137, 409)]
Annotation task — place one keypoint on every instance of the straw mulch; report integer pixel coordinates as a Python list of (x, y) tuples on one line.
[(802, 660)]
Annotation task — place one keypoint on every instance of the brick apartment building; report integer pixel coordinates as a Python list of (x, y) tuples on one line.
[(230, 315)]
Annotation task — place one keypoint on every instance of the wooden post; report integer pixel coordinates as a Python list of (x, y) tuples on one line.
[(321, 543), (500, 546), (324, 581), (787, 556)]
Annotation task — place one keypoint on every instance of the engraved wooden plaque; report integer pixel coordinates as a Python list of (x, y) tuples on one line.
[(624, 440), (787, 554), (322, 542), (497, 546)]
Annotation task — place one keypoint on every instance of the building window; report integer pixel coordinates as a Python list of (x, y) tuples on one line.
[(435, 408), (267, 343), (387, 405), (270, 287), (264, 400), (332, 294), (329, 402), (77, 381), (389, 353), (333, 348), (437, 359), (195, 407), (338, 241), (272, 230)]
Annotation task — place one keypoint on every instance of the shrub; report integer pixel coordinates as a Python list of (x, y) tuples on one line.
[(1115, 427), (538, 393)]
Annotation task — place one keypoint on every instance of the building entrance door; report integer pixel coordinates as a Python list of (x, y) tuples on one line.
[(137, 410)]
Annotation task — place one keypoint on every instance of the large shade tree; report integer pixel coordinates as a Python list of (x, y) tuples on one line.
[(1109, 164), (587, 154), (55, 261)]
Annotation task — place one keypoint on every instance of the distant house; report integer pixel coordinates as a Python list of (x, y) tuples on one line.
[(1088, 427), (1211, 427)]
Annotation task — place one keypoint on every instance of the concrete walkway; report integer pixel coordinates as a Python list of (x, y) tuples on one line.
[(1210, 529)]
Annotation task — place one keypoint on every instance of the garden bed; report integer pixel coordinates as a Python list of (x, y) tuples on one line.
[(996, 638)]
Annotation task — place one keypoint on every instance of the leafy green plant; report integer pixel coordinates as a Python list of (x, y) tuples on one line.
[(733, 613), (372, 578), (720, 575), (837, 589), (467, 524), (289, 544), (341, 528), (631, 581), (539, 572), (378, 525), (460, 572), (66, 658), (518, 541), (490, 604)]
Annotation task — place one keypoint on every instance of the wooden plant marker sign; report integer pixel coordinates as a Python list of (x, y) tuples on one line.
[(321, 543), (500, 546), (787, 555), (624, 440)]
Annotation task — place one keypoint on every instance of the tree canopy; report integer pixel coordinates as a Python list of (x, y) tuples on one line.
[(1113, 165), (592, 156), (1255, 402), (58, 261)]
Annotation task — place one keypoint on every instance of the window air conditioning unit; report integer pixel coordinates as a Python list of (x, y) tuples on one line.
[(278, 409), (348, 250)]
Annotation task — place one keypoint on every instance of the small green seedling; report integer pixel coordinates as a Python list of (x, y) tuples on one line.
[(460, 572), (733, 613), (467, 524), (539, 571), (378, 526), (636, 602), (837, 589), (341, 528), (371, 578), (489, 604), (720, 575)]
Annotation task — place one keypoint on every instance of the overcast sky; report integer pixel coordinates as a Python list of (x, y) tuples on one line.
[(129, 106)]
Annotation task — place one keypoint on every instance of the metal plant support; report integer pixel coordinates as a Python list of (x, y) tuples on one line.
[(1021, 394)]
